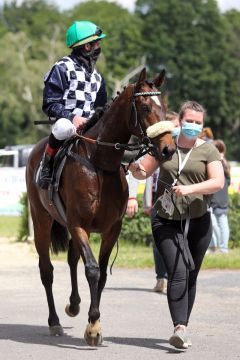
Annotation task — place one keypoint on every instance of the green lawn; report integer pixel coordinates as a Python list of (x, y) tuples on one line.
[(223, 261), (131, 256), (9, 226), (139, 256)]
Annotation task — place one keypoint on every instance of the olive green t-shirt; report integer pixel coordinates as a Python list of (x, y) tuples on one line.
[(194, 171)]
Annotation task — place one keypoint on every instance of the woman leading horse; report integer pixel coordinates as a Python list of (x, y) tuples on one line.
[(94, 193)]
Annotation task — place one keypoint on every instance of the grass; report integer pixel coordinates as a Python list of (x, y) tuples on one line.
[(223, 261), (9, 226), (140, 256), (129, 255)]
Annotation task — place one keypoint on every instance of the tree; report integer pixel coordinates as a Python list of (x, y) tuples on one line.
[(22, 80), (34, 17), (122, 48), (31, 36), (188, 39), (198, 46), (232, 82)]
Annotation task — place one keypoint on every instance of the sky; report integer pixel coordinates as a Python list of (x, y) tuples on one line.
[(129, 4)]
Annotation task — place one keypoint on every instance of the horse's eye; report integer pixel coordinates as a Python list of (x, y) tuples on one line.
[(146, 108)]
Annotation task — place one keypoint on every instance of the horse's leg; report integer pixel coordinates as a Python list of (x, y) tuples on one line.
[(73, 308), (93, 331), (42, 238), (108, 241)]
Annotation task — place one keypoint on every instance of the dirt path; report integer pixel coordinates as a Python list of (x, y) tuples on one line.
[(12, 252), (135, 321)]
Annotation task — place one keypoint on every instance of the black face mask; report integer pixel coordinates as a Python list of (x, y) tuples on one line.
[(88, 57), (95, 54)]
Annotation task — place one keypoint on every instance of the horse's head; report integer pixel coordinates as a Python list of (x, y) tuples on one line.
[(148, 118)]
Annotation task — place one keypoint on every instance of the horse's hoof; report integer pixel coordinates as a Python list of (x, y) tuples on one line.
[(93, 334), (56, 330), (72, 312)]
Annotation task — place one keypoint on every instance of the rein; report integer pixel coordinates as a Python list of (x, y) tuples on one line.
[(117, 146), (130, 147), (146, 145)]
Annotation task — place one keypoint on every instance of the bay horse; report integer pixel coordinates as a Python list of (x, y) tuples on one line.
[(94, 191)]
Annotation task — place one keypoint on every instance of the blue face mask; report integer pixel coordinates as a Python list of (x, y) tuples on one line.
[(191, 130), (176, 131)]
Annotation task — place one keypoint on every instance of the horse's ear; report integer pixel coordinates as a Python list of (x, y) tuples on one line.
[(142, 76), (159, 79)]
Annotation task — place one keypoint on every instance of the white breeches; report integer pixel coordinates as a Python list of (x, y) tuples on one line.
[(63, 129)]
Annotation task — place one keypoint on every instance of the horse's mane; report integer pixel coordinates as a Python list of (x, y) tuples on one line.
[(99, 112)]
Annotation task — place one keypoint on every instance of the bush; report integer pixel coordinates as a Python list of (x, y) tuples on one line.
[(23, 229), (137, 230), (234, 220)]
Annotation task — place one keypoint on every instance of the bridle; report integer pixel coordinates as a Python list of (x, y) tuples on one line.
[(145, 146), (146, 141)]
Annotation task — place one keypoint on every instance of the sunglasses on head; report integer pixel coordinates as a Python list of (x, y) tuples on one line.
[(98, 31)]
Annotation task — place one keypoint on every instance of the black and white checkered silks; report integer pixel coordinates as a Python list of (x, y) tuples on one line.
[(83, 87)]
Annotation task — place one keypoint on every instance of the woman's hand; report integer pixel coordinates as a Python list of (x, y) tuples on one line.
[(132, 207), (144, 168), (134, 167), (182, 190), (147, 211), (138, 171), (214, 183)]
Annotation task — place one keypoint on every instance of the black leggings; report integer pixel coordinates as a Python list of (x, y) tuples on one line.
[(182, 282)]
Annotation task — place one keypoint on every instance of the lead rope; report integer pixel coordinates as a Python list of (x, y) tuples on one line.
[(115, 257), (183, 243), (184, 249)]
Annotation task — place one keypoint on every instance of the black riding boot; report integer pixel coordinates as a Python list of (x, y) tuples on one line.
[(45, 174)]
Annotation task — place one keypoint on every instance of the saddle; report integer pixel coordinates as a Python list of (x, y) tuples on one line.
[(63, 153)]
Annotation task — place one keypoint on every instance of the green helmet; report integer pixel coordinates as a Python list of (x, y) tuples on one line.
[(83, 32)]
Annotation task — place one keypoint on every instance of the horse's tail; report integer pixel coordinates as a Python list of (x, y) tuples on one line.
[(59, 238)]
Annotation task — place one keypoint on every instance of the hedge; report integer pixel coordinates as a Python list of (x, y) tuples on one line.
[(138, 229), (234, 220)]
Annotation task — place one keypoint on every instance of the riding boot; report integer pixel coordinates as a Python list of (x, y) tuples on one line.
[(46, 166), (45, 173)]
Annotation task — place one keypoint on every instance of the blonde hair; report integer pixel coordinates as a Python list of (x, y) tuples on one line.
[(171, 115), (191, 105)]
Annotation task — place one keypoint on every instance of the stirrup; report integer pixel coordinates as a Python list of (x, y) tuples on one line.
[(43, 183)]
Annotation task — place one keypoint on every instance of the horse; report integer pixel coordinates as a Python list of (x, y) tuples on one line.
[(94, 191)]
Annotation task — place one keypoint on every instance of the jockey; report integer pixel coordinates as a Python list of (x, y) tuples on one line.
[(73, 89)]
